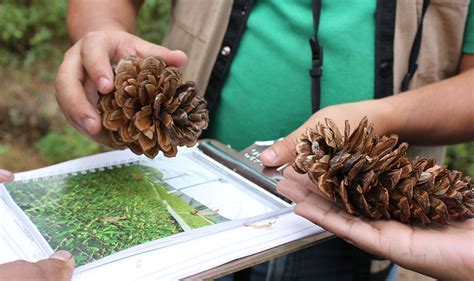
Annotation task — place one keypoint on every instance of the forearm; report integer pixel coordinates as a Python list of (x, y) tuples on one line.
[(440, 113), (92, 15)]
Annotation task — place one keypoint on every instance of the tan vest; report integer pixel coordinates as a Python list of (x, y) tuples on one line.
[(198, 28)]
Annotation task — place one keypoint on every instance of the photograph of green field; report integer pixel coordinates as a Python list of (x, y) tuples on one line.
[(99, 213)]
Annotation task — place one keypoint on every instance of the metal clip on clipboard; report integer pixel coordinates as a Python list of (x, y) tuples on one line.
[(246, 163)]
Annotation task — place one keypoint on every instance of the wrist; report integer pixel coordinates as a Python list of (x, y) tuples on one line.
[(78, 31), (383, 115)]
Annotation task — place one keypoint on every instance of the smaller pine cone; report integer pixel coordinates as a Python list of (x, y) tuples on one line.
[(151, 108), (372, 176)]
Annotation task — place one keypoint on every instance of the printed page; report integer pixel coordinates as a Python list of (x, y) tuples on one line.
[(17, 239), (104, 204), (197, 255)]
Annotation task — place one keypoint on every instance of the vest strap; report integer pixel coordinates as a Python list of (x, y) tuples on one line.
[(415, 50), (384, 42), (316, 70), (230, 43)]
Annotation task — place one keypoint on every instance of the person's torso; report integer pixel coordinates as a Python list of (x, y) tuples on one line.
[(267, 92)]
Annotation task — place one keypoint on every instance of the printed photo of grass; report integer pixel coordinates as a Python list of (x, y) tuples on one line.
[(99, 213)]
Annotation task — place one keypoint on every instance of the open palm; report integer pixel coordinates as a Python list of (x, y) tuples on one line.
[(445, 252)]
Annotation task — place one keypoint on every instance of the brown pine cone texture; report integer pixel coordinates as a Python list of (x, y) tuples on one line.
[(151, 108), (371, 176)]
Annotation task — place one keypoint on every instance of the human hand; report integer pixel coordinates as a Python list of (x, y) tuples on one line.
[(444, 252), (59, 267), (283, 151), (5, 176), (87, 68)]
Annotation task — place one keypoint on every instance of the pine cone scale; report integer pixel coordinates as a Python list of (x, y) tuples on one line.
[(372, 176), (151, 109)]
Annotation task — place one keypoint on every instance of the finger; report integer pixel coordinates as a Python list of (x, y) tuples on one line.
[(303, 180), (171, 57), (5, 176), (60, 266), (19, 270), (91, 91), (96, 53), (292, 190), (103, 136), (332, 218), (71, 96), (282, 151)]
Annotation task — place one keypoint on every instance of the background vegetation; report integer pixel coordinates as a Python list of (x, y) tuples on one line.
[(33, 37)]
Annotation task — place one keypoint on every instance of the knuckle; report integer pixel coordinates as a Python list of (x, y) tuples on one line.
[(289, 144), (70, 52), (23, 263), (308, 183), (347, 233), (94, 35), (60, 83), (53, 270), (298, 210)]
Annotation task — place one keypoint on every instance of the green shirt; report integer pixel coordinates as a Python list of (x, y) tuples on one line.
[(267, 93), (468, 44)]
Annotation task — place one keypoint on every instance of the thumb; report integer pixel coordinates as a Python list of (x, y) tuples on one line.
[(5, 176), (59, 266), (281, 152)]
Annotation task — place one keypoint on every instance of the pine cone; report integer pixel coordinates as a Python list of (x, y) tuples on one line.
[(151, 108), (373, 177)]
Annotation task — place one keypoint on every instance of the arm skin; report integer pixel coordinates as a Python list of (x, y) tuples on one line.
[(438, 113), (102, 33), (91, 15)]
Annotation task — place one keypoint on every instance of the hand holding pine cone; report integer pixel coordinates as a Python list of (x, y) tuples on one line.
[(151, 108), (372, 176)]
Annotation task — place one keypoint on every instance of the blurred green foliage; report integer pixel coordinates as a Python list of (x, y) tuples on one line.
[(32, 30), (4, 149), (461, 157), (35, 30), (58, 146), (153, 20)]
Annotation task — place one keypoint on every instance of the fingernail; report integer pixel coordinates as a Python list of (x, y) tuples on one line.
[(103, 82), (268, 155), (179, 52), (5, 176), (61, 255), (88, 123)]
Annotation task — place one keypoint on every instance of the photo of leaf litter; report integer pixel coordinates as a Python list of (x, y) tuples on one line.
[(99, 213)]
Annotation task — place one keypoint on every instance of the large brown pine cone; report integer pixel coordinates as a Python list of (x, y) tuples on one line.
[(373, 177), (151, 108)]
